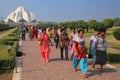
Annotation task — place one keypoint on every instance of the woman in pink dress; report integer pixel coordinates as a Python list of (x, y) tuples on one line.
[(44, 41), (70, 47)]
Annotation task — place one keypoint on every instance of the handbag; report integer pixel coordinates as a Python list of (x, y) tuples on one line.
[(89, 55), (40, 41), (61, 44)]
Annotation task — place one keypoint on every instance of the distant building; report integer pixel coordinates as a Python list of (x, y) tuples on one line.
[(20, 15)]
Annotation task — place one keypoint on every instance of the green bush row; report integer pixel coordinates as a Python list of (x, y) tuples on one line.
[(114, 58), (5, 28), (8, 60), (116, 34)]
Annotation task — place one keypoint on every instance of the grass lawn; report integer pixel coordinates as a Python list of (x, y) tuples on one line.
[(112, 51)]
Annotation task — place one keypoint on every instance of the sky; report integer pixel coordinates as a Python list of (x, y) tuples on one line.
[(64, 10)]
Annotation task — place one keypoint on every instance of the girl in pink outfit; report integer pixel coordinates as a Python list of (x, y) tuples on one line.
[(70, 47), (44, 45)]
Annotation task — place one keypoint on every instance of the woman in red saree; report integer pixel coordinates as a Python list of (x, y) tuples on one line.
[(44, 41)]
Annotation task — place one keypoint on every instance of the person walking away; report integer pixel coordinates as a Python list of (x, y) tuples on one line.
[(100, 50), (36, 33), (80, 54), (92, 46), (23, 32), (63, 43), (33, 32), (56, 39), (44, 41), (30, 32)]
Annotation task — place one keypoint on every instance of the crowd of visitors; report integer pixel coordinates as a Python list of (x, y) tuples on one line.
[(73, 44)]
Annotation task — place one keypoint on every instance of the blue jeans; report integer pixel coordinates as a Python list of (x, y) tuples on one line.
[(93, 53), (56, 41), (82, 62)]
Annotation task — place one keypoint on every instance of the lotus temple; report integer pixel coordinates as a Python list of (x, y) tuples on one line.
[(20, 15)]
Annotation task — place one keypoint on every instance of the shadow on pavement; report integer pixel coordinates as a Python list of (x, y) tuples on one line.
[(98, 72), (56, 59)]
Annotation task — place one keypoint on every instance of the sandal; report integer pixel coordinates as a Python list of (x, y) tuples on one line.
[(85, 76), (74, 69)]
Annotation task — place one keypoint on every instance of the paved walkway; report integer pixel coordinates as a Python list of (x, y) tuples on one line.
[(33, 68), (6, 32)]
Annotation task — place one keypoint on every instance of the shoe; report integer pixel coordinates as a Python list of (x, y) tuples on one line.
[(62, 58), (93, 65), (67, 59), (44, 60), (47, 61)]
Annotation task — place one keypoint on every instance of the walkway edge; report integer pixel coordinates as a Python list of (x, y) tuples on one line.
[(110, 66), (18, 69)]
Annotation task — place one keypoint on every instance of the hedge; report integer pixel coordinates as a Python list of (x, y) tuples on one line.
[(5, 28), (116, 34), (7, 60), (114, 58)]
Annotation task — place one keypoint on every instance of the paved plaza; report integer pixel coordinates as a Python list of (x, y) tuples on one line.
[(33, 68)]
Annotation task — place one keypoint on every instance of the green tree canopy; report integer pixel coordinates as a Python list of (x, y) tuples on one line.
[(108, 23), (100, 27), (92, 24), (116, 21)]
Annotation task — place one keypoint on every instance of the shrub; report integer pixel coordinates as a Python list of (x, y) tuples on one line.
[(12, 34), (116, 34), (8, 43), (8, 60), (5, 28), (114, 58)]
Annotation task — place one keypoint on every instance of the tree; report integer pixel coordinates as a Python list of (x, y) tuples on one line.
[(92, 24), (82, 24), (116, 21), (73, 24), (108, 23), (65, 24), (100, 27)]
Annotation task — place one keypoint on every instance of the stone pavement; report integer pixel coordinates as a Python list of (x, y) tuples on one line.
[(33, 68)]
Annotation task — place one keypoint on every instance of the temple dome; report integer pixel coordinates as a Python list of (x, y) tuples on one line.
[(20, 15)]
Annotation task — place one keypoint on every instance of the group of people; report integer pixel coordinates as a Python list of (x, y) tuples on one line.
[(31, 30), (75, 44)]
